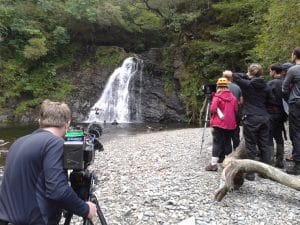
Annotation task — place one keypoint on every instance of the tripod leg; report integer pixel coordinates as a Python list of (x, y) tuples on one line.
[(68, 218), (87, 222), (205, 125), (99, 211)]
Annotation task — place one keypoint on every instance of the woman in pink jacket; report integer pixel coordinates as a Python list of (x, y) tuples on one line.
[(223, 121)]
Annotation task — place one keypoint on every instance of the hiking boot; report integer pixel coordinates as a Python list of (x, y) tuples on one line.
[(211, 167), (295, 170), (250, 176), (279, 164)]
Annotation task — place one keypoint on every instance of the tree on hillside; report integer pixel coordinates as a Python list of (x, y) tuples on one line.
[(280, 33), (230, 35)]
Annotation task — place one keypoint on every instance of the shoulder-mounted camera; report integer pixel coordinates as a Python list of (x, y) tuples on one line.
[(80, 146)]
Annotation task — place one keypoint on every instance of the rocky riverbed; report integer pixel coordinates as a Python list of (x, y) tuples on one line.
[(159, 178)]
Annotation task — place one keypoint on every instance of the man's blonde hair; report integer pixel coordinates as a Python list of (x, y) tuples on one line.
[(255, 69), (227, 74), (54, 114)]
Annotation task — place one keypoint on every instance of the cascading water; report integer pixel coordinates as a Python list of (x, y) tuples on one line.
[(121, 100)]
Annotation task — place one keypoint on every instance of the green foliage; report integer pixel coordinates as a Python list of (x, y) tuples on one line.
[(23, 107), (227, 47), (138, 19), (60, 36), (11, 73), (280, 33), (110, 56), (38, 38), (63, 90), (82, 9), (190, 94), (35, 49), (100, 12), (205, 58)]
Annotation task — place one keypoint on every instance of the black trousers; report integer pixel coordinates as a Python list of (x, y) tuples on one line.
[(236, 137), (256, 134), (221, 142), (276, 128), (294, 128), (236, 133)]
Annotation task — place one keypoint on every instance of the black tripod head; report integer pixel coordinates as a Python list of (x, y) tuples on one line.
[(208, 90)]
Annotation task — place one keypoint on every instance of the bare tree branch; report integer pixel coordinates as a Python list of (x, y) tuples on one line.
[(235, 167), (155, 10)]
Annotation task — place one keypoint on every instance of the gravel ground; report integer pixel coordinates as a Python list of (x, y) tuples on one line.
[(159, 178)]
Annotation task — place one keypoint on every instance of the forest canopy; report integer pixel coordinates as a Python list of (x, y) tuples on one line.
[(40, 37)]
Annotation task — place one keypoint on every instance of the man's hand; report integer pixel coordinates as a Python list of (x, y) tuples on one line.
[(92, 210)]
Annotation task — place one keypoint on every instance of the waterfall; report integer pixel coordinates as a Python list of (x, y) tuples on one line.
[(121, 97)]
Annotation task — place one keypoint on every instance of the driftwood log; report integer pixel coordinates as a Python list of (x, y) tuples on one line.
[(236, 165)]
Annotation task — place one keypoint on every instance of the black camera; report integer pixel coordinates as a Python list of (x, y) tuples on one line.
[(208, 89), (79, 153), (80, 146)]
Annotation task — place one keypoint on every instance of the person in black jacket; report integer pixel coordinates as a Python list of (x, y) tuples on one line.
[(256, 94), (277, 113), (35, 187)]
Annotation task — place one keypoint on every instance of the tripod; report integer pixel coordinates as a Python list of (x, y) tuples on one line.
[(206, 107), (82, 181)]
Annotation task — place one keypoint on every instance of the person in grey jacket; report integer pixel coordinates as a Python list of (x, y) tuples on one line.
[(291, 90), (237, 92)]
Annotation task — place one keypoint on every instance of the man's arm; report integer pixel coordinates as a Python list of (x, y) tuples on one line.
[(236, 107), (241, 79), (287, 84), (271, 99), (241, 101)]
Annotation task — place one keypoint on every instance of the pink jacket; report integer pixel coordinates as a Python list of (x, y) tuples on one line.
[(227, 103)]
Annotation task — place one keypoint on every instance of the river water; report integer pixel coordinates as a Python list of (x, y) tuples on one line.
[(10, 133)]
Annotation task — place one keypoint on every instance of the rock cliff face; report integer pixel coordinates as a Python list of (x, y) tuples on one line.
[(156, 104)]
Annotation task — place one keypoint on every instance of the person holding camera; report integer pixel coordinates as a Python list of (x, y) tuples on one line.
[(35, 187), (256, 95), (223, 121), (291, 90)]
